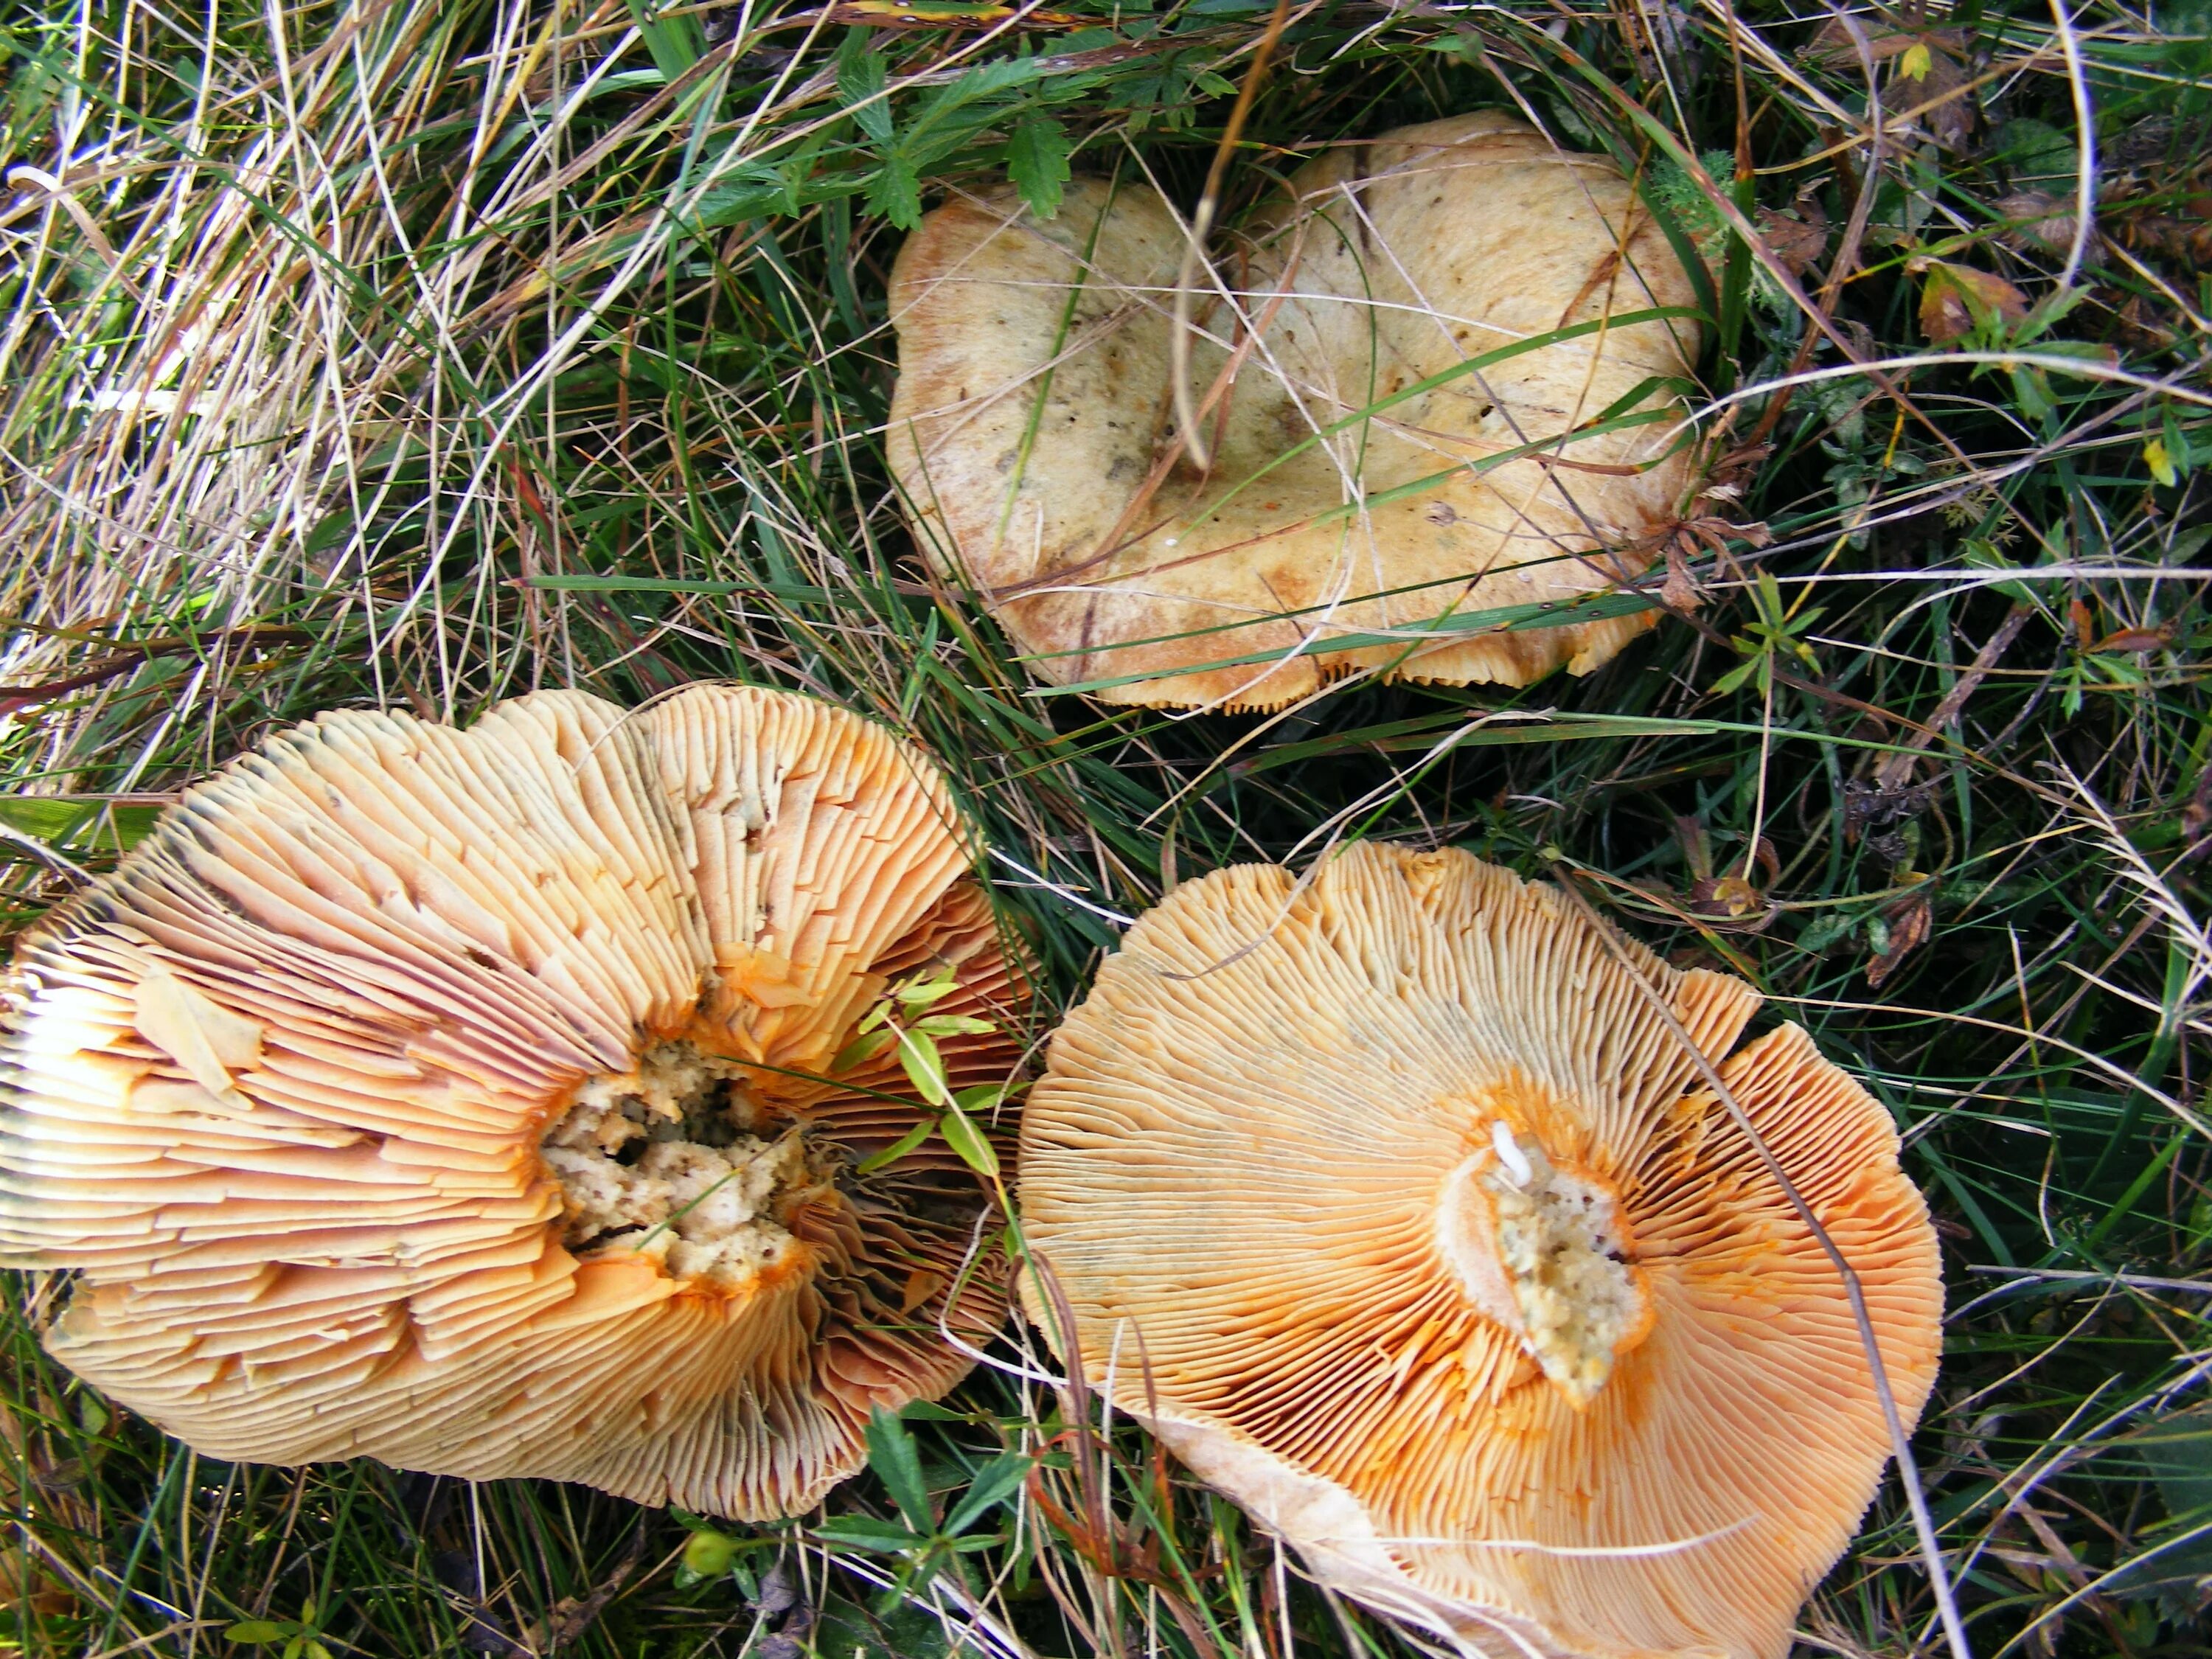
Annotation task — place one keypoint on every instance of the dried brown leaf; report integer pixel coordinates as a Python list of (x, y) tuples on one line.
[(1953, 297), (1911, 921)]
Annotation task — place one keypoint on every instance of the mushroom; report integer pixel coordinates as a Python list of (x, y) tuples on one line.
[(462, 1098), (1396, 1209), (1394, 466)]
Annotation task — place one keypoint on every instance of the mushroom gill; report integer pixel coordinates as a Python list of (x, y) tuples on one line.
[(1442, 1260), (465, 1099)]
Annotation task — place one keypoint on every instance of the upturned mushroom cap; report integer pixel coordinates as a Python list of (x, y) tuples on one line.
[(1032, 431), (1401, 1218), (456, 1098)]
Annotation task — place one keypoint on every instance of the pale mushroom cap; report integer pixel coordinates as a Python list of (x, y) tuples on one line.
[(1270, 1149), (276, 1089), (1386, 265)]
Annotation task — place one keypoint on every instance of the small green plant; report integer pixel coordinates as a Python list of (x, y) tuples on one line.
[(926, 1542), (1775, 635), (710, 1553), (901, 1018), (298, 1635)]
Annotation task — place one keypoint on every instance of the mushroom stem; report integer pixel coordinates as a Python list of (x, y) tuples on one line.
[(1539, 1249)]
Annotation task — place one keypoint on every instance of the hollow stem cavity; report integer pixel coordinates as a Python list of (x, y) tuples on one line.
[(675, 1161), (1539, 1249)]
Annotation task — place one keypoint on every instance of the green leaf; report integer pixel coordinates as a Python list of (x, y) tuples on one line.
[(925, 1068), (942, 1025), (897, 1463), (1982, 555), (1736, 675), (2031, 390), (923, 989), (261, 1629), (964, 1137), (42, 816), (862, 1532), (861, 74), (897, 1150), (62, 821), (676, 43), (995, 1483), (982, 1097), (860, 1050), (896, 192), (1769, 596), (928, 1410), (1036, 160)]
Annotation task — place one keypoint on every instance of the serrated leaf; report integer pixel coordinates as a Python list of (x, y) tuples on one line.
[(994, 1483), (896, 192), (964, 1137), (897, 1463), (1036, 160), (860, 76), (860, 1050), (925, 1068)]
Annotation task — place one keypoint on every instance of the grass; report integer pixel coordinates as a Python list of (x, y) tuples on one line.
[(421, 354)]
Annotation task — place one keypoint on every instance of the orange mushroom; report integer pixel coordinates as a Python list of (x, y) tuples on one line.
[(464, 1099), (1394, 1207), (1454, 369)]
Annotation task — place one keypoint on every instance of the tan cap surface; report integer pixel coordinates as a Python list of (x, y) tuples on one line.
[(430, 1095), (1033, 428), (1415, 1232)]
